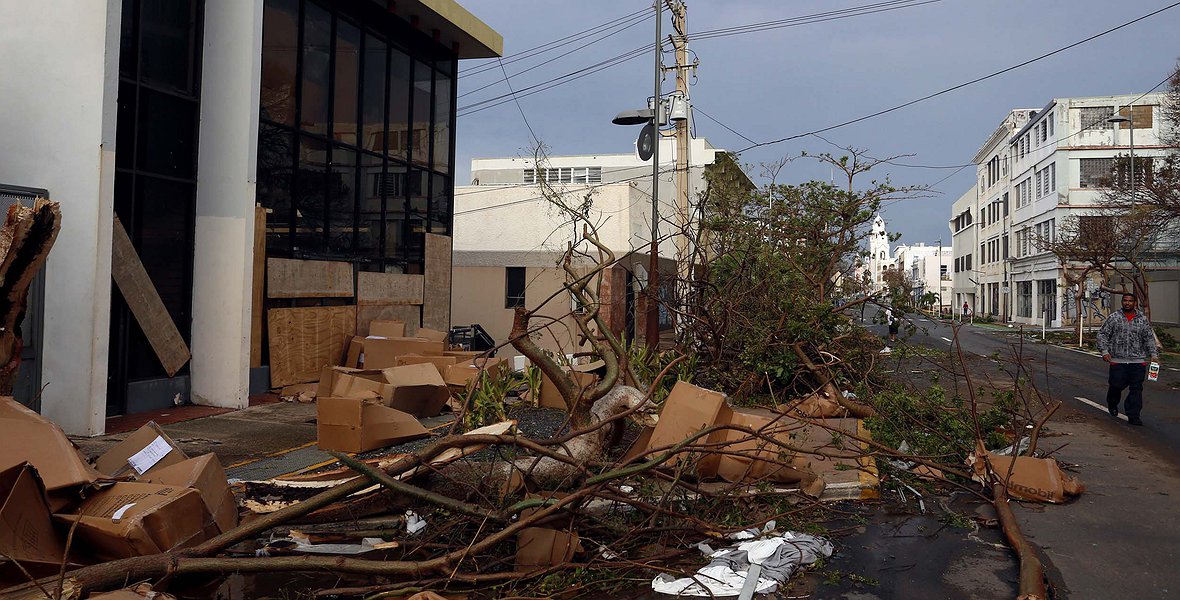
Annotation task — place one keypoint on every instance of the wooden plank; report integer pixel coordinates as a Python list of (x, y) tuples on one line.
[(436, 293), (388, 288), (305, 340), (145, 304), (290, 278), (410, 314), (257, 283)]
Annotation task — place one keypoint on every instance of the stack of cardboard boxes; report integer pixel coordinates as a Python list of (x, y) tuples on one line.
[(143, 496), (388, 382)]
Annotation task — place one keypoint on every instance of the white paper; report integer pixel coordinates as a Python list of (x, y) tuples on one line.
[(414, 523), (147, 458), (122, 509)]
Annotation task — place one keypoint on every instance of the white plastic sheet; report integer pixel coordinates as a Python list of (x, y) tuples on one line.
[(778, 555)]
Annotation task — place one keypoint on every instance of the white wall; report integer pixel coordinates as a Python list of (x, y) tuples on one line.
[(57, 112), (224, 237)]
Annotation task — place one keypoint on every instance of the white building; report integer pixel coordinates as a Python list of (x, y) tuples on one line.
[(963, 241), (928, 269), (1050, 169), (880, 256), (508, 237), (179, 117)]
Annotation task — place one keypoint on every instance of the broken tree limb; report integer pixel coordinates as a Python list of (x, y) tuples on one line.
[(1032, 573), (25, 240), (828, 385)]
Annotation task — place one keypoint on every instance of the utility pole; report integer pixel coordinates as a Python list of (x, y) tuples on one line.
[(679, 40), (652, 326)]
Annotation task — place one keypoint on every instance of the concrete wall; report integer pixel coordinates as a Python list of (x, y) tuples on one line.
[(57, 112), (224, 244)]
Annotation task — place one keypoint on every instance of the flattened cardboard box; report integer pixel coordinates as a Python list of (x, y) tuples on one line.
[(116, 461), (461, 374), (539, 547), (750, 459), (134, 518), (433, 335), (387, 329), (1037, 479), (206, 475), (346, 382), (417, 389), (356, 425), (26, 436), (380, 353), (440, 362), (26, 529)]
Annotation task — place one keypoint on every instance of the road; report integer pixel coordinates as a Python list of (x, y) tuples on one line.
[(1123, 527)]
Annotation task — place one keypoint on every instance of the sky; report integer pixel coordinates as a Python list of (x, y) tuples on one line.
[(771, 84)]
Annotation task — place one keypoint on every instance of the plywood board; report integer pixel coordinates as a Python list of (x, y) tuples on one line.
[(305, 340), (388, 288), (408, 313), (257, 284), (291, 278), (145, 304), (436, 293)]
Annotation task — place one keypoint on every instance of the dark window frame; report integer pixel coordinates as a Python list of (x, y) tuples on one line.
[(514, 287)]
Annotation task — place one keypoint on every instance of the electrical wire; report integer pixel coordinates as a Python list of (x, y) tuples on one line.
[(518, 107), (961, 85)]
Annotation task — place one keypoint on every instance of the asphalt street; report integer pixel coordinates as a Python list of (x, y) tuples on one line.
[(1119, 539)]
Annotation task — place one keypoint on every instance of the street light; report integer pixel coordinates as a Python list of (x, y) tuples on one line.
[(1118, 118), (651, 116)]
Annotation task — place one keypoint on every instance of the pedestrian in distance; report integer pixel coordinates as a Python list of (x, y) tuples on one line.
[(894, 320), (1127, 343)]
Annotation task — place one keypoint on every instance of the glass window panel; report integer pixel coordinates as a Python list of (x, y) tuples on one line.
[(395, 211), (342, 197), (416, 220), (317, 41), (440, 205), (274, 187), (373, 103), (128, 44), (348, 64), (309, 202), (280, 37), (420, 127), (399, 104), (125, 134), (166, 150), (442, 123), (374, 187), (166, 31)]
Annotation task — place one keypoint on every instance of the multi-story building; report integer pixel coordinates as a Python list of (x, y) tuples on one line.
[(963, 240), (178, 117), (928, 269), (880, 256), (1052, 167)]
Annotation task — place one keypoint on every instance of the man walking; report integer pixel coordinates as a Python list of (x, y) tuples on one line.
[(1127, 343)]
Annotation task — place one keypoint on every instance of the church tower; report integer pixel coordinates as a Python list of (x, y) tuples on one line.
[(879, 255)]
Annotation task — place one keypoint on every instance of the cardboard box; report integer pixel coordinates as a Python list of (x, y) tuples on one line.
[(380, 353), (433, 335), (142, 591), (687, 410), (461, 374), (539, 547), (354, 352), (417, 389), (26, 529), (356, 425), (134, 519), (204, 474), (750, 459), (1031, 478), (387, 329), (440, 362), (139, 453), (26, 436), (551, 397), (464, 354)]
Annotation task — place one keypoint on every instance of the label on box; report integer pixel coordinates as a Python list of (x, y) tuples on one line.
[(147, 458)]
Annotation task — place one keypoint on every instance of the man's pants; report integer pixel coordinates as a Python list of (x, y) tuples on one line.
[(1123, 375)]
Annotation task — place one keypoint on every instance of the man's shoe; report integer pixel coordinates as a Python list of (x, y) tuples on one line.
[(1114, 409), (1135, 421)]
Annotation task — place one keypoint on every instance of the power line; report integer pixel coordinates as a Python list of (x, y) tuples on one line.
[(543, 48), (961, 85), (518, 107), (697, 109)]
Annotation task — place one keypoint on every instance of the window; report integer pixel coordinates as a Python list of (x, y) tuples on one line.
[(1004, 246), (1004, 165), (1095, 172), (565, 175), (1140, 117), (1049, 121), (983, 253), (1094, 117), (1024, 298), (968, 267), (513, 287)]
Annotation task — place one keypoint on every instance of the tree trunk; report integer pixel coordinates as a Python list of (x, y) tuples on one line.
[(25, 240)]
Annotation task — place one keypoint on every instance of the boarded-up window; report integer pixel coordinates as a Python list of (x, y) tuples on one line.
[(1140, 117)]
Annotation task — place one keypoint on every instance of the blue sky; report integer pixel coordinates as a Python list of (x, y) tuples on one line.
[(777, 83)]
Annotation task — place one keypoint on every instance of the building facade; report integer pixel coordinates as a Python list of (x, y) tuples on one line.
[(509, 238), (928, 269), (963, 241), (1050, 168), (177, 117)]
